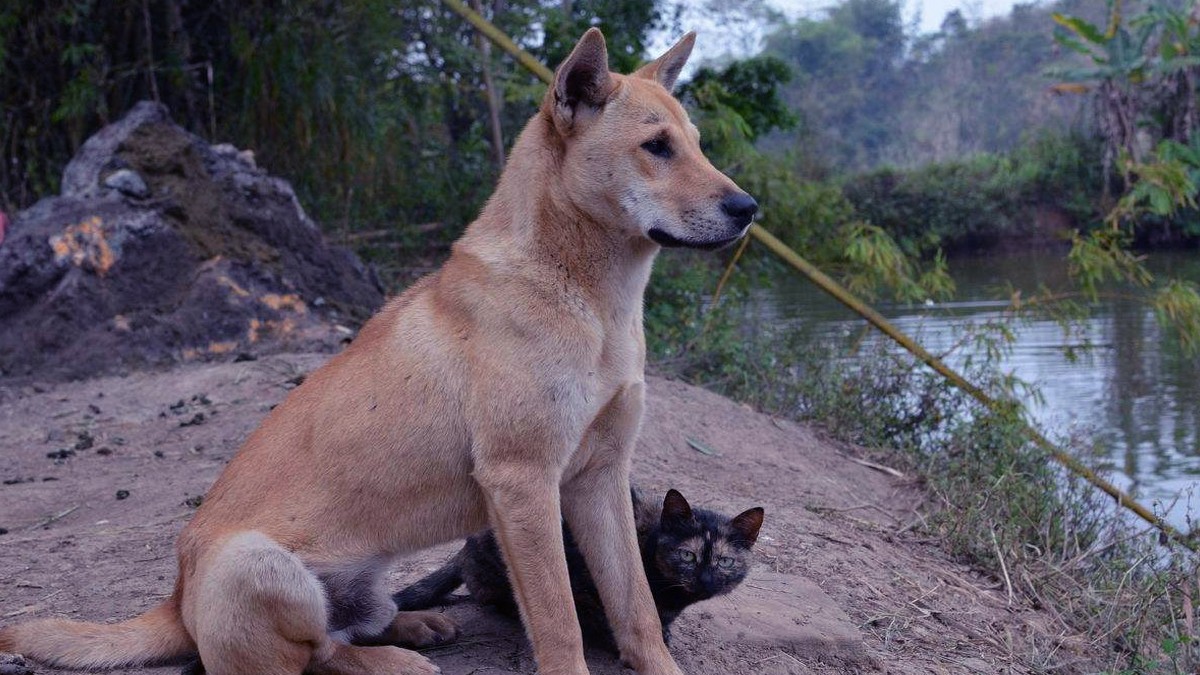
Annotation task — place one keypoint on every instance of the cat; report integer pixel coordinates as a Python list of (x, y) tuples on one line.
[(689, 555)]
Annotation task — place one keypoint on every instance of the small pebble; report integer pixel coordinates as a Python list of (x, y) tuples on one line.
[(122, 494), (14, 664), (127, 182)]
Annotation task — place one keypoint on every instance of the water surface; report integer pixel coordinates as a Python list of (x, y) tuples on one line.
[(1133, 391)]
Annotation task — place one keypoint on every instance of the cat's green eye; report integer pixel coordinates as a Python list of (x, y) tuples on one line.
[(725, 562), (686, 555)]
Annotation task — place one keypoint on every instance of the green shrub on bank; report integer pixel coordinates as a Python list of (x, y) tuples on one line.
[(983, 200)]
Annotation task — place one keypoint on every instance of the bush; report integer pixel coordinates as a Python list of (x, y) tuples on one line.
[(986, 199)]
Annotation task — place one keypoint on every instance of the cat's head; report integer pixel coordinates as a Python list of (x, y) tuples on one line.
[(701, 552)]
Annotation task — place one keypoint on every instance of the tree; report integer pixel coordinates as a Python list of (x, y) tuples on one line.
[(375, 110)]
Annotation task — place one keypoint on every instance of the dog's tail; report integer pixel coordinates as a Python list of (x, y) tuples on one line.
[(154, 638), (430, 591)]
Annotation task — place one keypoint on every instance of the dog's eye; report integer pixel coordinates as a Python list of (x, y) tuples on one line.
[(659, 147)]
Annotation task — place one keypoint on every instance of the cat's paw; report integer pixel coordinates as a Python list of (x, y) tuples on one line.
[(421, 629)]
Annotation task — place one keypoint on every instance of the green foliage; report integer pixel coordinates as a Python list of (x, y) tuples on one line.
[(847, 78), (374, 110), (749, 88), (1162, 191), (983, 200), (870, 95), (689, 337), (1177, 304), (626, 25), (883, 264), (1143, 72), (817, 219), (1116, 51), (1102, 258)]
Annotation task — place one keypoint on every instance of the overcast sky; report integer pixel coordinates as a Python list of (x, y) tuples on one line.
[(932, 11), (741, 38)]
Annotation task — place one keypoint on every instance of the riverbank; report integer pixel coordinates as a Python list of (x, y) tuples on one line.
[(844, 578)]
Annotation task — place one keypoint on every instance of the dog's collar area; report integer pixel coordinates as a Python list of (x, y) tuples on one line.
[(668, 240)]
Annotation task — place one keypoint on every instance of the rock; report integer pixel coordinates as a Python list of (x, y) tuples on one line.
[(212, 259), (81, 177), (14, 664), (763, 612), (127, 182)]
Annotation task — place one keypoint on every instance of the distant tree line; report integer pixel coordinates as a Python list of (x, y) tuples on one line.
[(870, 92), (380, 112)]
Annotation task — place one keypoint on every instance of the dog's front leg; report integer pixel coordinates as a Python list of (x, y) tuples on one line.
[(597, 506), (524, 508)]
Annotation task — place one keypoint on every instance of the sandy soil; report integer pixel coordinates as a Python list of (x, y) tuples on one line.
[(99, 476)]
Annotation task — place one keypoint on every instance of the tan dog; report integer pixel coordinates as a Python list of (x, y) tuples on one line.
[(505, 388)]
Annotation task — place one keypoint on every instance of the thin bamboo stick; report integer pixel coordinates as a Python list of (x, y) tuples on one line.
[(876, 319), (844, 296)]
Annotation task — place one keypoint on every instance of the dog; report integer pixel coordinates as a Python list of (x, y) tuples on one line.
[(504, 389)]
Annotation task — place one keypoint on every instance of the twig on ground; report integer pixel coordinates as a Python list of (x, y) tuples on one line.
[(1003, 568), (31, 608), (873, 465), (55, 517)]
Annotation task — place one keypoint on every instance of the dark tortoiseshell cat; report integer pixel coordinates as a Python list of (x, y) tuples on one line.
[(689, 555)]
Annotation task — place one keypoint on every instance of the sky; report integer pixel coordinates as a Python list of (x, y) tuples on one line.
[(741, 38), (932, 11)]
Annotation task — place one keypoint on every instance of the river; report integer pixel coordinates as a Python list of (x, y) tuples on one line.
[(1133, 392)]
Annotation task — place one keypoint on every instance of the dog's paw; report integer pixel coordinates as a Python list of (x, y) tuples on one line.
[(406, 662), (346, 659), (422, 629)]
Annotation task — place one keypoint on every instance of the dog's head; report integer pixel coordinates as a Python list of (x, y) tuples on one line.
[(632, 157)]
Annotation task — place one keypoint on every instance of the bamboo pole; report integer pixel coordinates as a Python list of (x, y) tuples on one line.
[(876, 319), (844, 296)]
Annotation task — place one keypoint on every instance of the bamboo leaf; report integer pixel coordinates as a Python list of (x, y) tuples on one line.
[(702, 448), (1080, 27)]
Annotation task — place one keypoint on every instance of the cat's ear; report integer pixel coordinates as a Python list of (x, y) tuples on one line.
[(745, 526), (675, 507)]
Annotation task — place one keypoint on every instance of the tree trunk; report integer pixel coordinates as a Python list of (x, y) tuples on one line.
[(489, 91)]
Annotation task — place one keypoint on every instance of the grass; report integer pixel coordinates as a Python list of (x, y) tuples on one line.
[(1124, 600)]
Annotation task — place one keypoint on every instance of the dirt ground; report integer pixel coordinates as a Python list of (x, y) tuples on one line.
[(98, 477)]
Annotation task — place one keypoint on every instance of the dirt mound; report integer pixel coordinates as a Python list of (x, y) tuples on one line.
[(162, 248), (98, 477)]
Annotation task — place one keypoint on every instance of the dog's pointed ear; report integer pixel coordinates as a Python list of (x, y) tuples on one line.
[(582, 79), (666, 68)]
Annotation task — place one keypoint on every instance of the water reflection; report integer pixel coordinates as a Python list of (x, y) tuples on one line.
[(1133, 391)]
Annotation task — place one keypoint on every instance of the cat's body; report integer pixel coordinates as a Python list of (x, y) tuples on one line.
[(689, 555)]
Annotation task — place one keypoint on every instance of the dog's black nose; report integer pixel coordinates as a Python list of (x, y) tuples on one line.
[(741, 207)]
